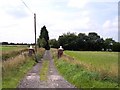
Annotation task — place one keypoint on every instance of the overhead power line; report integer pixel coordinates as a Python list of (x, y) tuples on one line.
[(29, 10), (27, 6)]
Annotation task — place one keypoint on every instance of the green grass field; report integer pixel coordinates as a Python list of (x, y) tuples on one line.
[(89, 69), (8, 51), (98, 60), (9, 48), (95, 58)]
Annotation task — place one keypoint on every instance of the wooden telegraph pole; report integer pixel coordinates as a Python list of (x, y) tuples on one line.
[(35, 32)]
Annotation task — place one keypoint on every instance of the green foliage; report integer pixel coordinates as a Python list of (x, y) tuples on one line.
[(90, 42), (44, 33), (68, 40), (39, 54), (43, 39), (54, 43), (81, 77), (71, 41), (42, 42), (108, 43), (12, 77), (94, 42), (116, 46)]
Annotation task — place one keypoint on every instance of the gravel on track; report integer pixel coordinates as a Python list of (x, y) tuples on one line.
[(32, 78)]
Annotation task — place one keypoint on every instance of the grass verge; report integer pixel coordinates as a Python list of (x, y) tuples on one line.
[(81, 77), (44, 70), (12, 76), (14, 69)]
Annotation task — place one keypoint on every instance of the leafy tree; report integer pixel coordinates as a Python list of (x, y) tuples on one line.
[(71, 41), (81, 41), (116, 46), (41, 42), (68, 41), (44, 33), (94, 42), (108, 44), (44, 38), (53, 43)]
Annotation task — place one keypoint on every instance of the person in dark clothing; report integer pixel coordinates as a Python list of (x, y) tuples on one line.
[(60, 52)]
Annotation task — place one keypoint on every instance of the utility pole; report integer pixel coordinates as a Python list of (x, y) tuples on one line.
[(35, 32)]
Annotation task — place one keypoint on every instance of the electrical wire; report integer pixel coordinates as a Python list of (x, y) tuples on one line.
[(37, 24), (27, 6), (29, 10)]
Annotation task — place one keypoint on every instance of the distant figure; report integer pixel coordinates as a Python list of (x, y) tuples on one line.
[(31, 51), (60, 52)]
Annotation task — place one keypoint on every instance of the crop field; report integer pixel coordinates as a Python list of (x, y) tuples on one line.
[(87, 69)]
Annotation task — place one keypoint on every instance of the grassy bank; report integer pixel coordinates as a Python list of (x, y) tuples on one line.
[(13, 70), (79, 75)]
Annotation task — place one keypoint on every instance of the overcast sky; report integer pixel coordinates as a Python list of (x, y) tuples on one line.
[(59, 16)]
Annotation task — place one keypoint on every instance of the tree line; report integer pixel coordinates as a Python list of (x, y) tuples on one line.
[(71, 41), (7, 43), (83, 42)]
